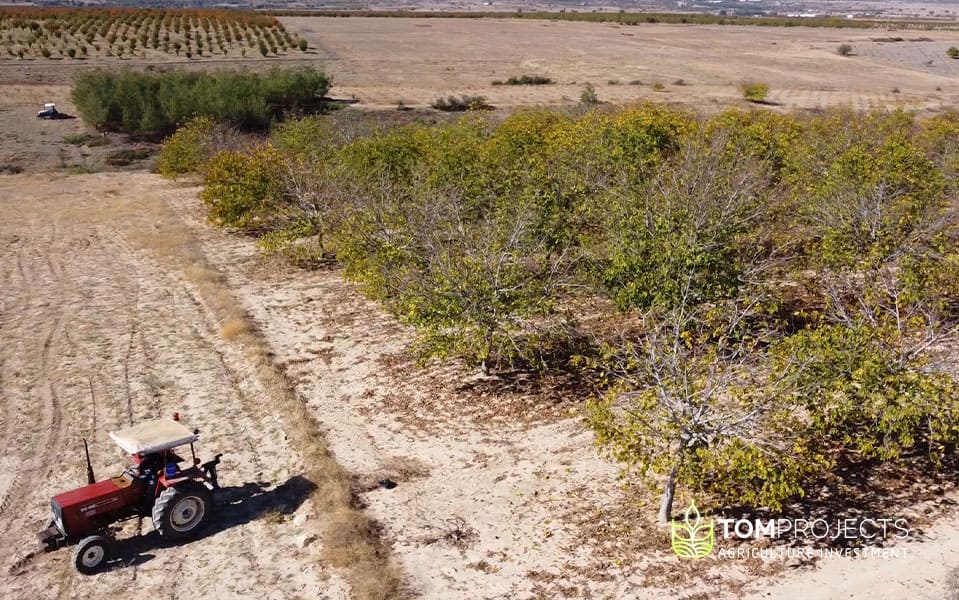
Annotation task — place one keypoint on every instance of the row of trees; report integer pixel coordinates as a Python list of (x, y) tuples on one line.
[(78, 33), (153, 104), (760, 296)]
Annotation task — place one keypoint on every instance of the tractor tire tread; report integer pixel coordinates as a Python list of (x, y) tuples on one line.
[(168, 499)]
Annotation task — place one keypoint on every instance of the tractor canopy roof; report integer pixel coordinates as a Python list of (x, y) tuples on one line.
[(153, 436)]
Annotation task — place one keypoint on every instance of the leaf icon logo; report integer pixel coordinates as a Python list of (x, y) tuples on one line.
[(694, 537)]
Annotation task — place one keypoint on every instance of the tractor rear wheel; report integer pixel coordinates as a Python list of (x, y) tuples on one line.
[(91, 553), (180, 512)]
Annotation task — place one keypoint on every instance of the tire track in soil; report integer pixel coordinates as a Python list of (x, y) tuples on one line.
[(53, 413), (45, 385), (87, 369), (93, 411), (53, 417), (126, 366), (232, 378), (122, 411), (7, 320), (60, 350), (11, 408), (51, 424), (23, 274)]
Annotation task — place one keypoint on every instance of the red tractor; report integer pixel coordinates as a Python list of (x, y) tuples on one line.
[(159, 485)]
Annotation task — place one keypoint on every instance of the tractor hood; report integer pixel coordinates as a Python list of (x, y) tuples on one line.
[(89, 497), (78, 508)]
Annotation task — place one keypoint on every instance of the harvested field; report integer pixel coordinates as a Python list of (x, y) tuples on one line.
[(383, 61)]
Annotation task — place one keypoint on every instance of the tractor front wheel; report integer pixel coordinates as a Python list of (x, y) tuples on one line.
[(180, 512), (91, 553)]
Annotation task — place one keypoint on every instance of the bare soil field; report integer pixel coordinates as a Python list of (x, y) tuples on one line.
[(30, 144), (98, 333), (383, 61)]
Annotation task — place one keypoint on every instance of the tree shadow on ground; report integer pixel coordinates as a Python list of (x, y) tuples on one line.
[(233, 506)]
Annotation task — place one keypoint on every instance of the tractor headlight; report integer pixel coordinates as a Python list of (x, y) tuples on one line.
[(58, 517)]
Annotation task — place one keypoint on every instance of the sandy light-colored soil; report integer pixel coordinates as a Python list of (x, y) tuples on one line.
[(921, 572), (99, 333), (383, 61)]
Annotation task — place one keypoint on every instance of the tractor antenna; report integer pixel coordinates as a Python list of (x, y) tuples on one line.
[(86, 450)]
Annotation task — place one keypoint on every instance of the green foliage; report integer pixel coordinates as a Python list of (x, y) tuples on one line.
[(844, 50), (312, 140), (763, 135), (754, 91), (122, 158), (478, 294), (243, 188), (153, 104), (863, 393), (783, 282), (389, 158), (867, 195), (683, 238), (188, 149), (953, 52), (77, 139), (691, 403), (298, 242), (588, 96), (74, 29), (938, 138)]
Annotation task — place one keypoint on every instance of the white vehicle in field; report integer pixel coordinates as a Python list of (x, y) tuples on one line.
[(49, 111)]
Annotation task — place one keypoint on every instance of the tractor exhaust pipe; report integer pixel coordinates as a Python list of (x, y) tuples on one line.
[(86, 450)]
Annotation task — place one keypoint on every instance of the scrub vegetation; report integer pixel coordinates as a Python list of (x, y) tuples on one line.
[(761, 299)]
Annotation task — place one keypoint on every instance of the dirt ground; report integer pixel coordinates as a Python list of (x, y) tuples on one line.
[(383, 61), (99, 333)]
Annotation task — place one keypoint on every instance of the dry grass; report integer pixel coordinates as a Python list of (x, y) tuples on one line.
[(351, 540), (234, 328)]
